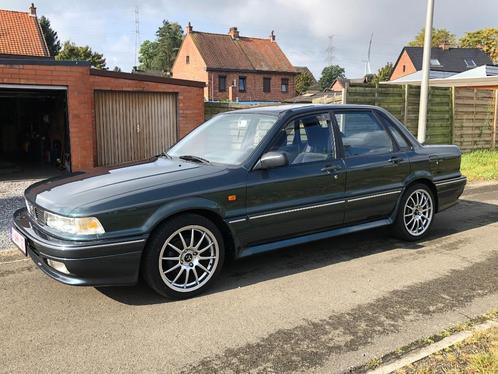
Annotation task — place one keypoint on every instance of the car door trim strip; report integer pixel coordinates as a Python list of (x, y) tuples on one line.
[(457, 180), (297, 209), (373, 196)]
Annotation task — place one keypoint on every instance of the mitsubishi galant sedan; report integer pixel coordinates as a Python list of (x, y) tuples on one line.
[(244, 182)]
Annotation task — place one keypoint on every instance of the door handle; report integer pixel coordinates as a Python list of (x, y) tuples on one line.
[(330, 169), (395, 160)]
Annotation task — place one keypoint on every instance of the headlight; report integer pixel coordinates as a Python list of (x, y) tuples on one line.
[(79, 226)]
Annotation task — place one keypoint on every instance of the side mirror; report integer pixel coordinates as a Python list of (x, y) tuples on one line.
[(271, 160)]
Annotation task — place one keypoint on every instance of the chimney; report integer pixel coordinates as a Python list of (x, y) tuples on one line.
[(234, 33), (32, 10), (272, 36), (444, 46), (189, 28)]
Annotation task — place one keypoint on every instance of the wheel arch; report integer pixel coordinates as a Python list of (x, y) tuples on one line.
[(202, 207)]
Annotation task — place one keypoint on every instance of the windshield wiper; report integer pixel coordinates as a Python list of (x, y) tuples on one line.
[(195, 159)]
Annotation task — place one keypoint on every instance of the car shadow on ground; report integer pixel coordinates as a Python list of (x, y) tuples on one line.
[(465, 216)]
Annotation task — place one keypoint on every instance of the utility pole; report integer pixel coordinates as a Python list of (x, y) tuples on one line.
[(330, 50), (424, 89)]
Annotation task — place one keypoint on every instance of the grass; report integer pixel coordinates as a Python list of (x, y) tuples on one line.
[(480, 165), (476, 354)]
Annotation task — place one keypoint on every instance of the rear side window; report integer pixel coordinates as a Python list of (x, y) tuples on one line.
[(361, 134), (400, 139)]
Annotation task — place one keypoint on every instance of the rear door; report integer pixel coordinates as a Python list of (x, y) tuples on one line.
[(304, 196), (376, 166)]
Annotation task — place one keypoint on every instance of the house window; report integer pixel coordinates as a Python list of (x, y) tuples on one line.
[(470, 63), (404, 68), (435, 62), (242, 84), (187, 60), (266, 84), (284, 85), (222, 83)]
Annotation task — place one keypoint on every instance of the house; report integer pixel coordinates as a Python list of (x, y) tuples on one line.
[(444, 60), (21, 34), (66, 114), (306, 70), (235, 67), (341, 83)]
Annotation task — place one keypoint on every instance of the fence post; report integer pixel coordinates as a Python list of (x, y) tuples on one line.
[(495, 122), (452, 135), (405, 114)]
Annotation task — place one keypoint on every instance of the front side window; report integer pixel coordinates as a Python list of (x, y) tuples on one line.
[(306, 139), (266, 84), (222, 83), (242, 84), (228, 138), (284, 86), (362, 135)]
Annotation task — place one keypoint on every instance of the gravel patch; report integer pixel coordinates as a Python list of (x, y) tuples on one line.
[(11, 199)]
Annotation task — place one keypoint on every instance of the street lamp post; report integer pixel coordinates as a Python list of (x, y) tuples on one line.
[(426, 65)]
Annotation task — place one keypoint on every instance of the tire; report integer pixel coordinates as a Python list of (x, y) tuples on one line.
[(415, 213), (188, 267)]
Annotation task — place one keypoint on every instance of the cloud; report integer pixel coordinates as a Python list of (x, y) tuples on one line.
[(303, 27)]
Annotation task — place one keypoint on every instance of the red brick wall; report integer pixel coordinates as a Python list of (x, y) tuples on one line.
[(254, 86), (405, 63), (195, 69), (80, 88)]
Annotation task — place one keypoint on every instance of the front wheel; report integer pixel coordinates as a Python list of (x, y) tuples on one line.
[(415, 213), (184, 256)]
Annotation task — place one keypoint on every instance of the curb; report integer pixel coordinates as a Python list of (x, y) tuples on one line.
[(421, 353)]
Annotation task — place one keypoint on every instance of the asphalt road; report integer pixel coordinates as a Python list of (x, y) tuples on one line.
[(322, 307)]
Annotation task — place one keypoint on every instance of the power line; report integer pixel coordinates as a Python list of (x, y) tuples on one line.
[(137, 33)]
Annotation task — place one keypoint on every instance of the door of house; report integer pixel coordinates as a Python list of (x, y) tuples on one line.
[(133, 126)]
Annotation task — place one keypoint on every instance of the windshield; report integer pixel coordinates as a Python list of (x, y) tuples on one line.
[(226, 139)]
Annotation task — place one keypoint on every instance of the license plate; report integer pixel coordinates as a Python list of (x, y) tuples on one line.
[(18, 240)]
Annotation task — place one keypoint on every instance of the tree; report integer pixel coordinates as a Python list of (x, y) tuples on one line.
[(486, 39), (439, 36), (329, 75), (304, 81), (384, 73), (160, 53), (50, 35), (71, 51)]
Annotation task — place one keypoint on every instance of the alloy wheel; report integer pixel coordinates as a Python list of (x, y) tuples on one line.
[(188, 258), (418, 212)]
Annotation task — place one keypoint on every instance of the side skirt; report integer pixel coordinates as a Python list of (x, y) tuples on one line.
[(261, 248)]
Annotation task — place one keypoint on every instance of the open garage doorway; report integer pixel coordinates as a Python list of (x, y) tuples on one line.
[(34, 135)]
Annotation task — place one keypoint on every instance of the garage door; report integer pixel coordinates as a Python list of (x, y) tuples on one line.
[(133, 126)]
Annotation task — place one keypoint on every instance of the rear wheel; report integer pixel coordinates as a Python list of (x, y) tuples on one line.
[(415, 213), (184, 256)]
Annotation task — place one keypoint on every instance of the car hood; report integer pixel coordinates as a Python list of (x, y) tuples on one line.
[(66, 195)]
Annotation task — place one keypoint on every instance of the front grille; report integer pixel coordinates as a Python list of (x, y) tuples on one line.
[(36, 213)]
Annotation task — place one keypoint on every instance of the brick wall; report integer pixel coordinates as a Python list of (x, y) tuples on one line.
[(403, 67), (254, 86), (80, 88)]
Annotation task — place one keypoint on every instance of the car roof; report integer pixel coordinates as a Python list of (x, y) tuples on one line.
[(299, 108)]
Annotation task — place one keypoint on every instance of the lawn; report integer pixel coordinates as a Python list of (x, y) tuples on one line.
[(476, 354), (480, 165)]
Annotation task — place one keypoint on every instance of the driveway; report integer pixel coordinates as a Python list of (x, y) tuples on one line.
[(322, 307)]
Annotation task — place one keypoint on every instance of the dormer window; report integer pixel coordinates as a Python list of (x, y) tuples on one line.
[(435, 62), (470, 63)]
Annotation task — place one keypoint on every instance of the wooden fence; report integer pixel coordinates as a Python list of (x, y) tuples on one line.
[(464, 116)]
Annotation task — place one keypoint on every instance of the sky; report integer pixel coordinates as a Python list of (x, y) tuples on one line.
[(303, 27)]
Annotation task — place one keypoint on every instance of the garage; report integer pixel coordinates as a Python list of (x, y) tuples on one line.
[(33, 129), (132, 126), (64, 116)]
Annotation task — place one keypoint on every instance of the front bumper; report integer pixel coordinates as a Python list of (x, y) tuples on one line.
[(90, 263)]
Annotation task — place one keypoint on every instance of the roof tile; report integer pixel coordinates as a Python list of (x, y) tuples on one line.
[(20, 34), (220, 51)]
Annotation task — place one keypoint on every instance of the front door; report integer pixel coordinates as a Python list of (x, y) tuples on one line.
[(304, 196), (376, 166)]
